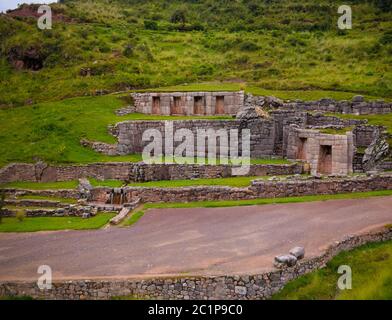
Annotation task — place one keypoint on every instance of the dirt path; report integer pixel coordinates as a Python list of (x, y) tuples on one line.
[(185, 241)]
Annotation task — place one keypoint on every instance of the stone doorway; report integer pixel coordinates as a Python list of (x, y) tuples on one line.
[(325, 160), (156, 105), (220, 105), (199, 107), (301, 153), (176, 108)]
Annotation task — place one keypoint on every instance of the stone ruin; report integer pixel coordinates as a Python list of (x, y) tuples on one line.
[(189, 103), (278, 129)]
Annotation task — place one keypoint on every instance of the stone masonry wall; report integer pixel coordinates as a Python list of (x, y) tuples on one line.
[(230, 287), (357, 106), (136, 171), (183, 103), (258, 189), (326, 153), (130, 134)]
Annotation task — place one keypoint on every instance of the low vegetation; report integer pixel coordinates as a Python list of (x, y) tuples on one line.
[(41, 185), (32, 224), (135, 217), (240, 181), (37, 197), (373, 119), (371, 280)]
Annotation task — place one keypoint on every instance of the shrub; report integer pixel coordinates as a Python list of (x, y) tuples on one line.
[(128, 50), (249, 46), (386, 38), (384, 5), (150, 25), (179, 16)]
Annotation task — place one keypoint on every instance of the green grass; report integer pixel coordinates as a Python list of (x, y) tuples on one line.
[(341, 131), (234, 203), (41, 185), (373, 119), (371, 277), (106, 183), (37, 197), (11, 224), (135, 217), (231, 182)]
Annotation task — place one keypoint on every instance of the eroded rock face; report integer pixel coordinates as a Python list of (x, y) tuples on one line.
[(377, 150)]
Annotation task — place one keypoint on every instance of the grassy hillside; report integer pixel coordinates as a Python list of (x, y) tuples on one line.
[(274, 45)]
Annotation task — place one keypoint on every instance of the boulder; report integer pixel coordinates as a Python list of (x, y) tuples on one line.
[(298, 252), (285, 260), (358, 99)]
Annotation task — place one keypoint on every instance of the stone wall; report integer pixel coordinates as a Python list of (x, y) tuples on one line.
[(189, 103), (228, 287), (326, 153), (357, 106), (257, 189), (319, 120), (130, 134), (136, 171), (364, 135)]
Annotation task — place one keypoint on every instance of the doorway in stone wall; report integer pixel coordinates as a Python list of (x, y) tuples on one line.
[(199, 107), (176, 108), (301, 153), (220, 105), (156, 105), (325, 160)]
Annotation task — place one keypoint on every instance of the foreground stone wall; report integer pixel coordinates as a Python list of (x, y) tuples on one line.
[(258, 189), (189, 103), (135, 171), (243, 287)]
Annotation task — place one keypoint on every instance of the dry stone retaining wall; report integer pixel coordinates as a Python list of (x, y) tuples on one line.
[(130, 134), (135, 171), (243, 287), (357, 106), (258, 189)]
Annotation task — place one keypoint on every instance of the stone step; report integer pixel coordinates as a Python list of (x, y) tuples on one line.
[(120, 217)]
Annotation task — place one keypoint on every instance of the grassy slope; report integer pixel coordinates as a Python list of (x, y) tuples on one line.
[(287, 45), (371, 270), (54, 223)]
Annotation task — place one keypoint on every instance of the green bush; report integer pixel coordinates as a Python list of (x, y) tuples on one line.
[(150, 25), (249, 46), (386, 38)]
